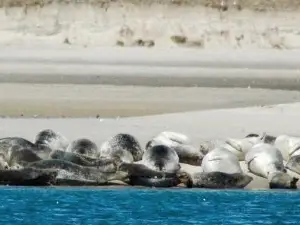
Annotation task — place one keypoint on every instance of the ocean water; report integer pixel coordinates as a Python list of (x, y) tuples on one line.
[(43, 206)]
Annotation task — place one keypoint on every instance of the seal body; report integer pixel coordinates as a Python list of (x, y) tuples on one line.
[(83, 160), (266, 161), (83, 146), (158, 168), (181, 144), (124, 146), (70, 172), (221, 160), (220, 180)]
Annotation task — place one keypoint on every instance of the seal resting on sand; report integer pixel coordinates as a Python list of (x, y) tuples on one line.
[(9, 145), (266, 161), (221, 169), (181, 144), (28, 177), (83, 146), (70, 173), (124, 146), (159, 167), (82, 160)]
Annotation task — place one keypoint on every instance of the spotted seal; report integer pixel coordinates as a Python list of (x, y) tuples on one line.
[(265, 160), (124, 146), (83, 146), (161, 160), (70, 173)]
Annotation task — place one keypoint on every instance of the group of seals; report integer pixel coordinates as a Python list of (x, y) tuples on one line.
[(169, 159)]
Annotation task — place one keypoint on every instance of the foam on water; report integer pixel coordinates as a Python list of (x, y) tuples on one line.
[(146, 206)]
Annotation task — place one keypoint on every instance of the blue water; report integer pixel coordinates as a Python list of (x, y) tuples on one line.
[(43, 206)]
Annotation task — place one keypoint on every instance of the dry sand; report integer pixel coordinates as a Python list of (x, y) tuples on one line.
[(260, 24)]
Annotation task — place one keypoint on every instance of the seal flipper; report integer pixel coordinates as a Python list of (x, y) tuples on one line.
[(293, 164)]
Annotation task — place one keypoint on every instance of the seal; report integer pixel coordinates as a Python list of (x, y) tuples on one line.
[(152, 169), (141, 175), (161, 158), (21, 157), (124, 146), (12, 144), (70, 173), (266, 161), (289, 146), (221, 160), (219, 180), (180, 143), (28, 177), (51, 139), (109, 163), (221, 169), (83, 146)]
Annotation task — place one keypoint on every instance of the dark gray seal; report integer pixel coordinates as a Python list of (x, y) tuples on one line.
[(218, 180), (84, 160), (124, 146), (161, 160), (28, 177), (70, 173), (83, 146)]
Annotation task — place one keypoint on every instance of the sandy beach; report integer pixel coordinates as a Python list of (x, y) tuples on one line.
[(91, 72)]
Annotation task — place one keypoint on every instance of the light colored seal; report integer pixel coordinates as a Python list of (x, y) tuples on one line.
[(221, 169), (124, 146), (221, 160), (51, 139), (266, 161), (181, 144), (83, 146), (240, 147), (289, 146)]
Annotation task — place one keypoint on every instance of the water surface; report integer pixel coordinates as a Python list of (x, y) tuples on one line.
[(22, 205)]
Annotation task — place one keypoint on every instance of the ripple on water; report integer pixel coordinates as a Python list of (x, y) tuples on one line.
[(147, 206)]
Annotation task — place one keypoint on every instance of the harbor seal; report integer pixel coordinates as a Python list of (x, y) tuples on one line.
[(72, 173), (124, 146), (83, 146), (221, 160), (83, 160), (28, 177), (141, 175), (266, 161), (161, 160), (180, 143), (12, 144), (51, 139), (221, 169)]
